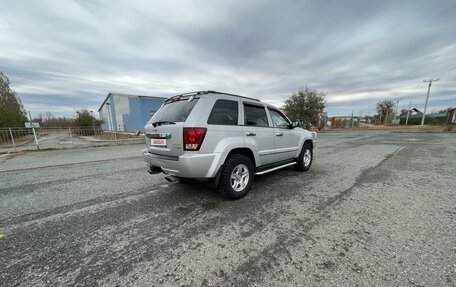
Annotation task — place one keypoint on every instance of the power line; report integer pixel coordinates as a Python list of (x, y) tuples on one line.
[(450, 69)]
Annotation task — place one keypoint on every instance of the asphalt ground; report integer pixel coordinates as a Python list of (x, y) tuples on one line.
[(376, 209)]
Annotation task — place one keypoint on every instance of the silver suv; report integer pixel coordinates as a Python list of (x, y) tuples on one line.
[(223, 137)]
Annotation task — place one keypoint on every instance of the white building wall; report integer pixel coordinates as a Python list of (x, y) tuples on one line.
[(104, 116), (122, 106)]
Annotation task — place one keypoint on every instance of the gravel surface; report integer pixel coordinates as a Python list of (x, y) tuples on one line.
[(376, 209)]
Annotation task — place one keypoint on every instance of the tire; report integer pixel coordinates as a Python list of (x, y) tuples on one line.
[(305, 158), (239, 167)]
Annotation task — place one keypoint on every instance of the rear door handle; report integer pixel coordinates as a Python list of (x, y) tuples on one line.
[(251, 134), (279, 134)]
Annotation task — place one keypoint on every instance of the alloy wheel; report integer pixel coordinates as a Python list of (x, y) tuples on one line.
[(239, 177)]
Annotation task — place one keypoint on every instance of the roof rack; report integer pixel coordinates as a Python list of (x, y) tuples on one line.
[(214, 92)]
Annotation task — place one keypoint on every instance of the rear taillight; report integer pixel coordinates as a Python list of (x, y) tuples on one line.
[(193, 138)]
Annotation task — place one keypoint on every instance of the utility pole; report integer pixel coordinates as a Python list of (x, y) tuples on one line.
[(397, 105), (427, 97), (351, 120), (408, 111), (111, 124)]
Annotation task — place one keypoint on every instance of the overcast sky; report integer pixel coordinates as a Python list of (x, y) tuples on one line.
[(63, 55)]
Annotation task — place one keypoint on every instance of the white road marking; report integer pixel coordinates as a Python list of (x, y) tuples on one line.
[(398, 150)]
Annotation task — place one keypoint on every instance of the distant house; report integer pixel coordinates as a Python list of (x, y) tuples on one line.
[(414, 117), (436, 118), (343, 121), (122, 112), (451, 117)]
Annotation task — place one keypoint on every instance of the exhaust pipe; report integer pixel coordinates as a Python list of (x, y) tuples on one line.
[(154, 169)]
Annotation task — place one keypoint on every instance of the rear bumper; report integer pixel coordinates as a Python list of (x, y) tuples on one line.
[(192, 165)]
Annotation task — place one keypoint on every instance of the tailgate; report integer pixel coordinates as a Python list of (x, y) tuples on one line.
[(165, 139)]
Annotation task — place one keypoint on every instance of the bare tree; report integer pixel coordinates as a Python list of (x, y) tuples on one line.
[(384, 110), (47, 118)]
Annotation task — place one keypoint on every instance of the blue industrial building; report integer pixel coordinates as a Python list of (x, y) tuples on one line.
[(122, 112)]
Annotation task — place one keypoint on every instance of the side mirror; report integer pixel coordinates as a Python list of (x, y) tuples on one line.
[(293, 125)]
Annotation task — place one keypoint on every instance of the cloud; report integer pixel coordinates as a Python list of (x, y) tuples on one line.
[(64, 55)]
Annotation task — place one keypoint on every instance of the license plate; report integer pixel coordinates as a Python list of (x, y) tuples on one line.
[(158, 142)]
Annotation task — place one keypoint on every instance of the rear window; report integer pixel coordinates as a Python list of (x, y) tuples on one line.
[(224, 112), (174, 111)]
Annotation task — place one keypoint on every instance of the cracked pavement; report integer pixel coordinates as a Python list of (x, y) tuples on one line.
[(376, 208)]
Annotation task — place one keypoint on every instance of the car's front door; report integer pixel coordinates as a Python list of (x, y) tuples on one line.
[(286, 139)]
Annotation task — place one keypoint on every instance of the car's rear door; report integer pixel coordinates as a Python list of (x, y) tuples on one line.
[(258, 134), (164, 132)]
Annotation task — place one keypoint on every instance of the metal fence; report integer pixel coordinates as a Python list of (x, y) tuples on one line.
[(20, 139)]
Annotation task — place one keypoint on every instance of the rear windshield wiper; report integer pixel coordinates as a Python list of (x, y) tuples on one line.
[(159, 123)]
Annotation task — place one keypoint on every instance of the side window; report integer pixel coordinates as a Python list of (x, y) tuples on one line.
[(278, 120), (255, 116), (224, 112)]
